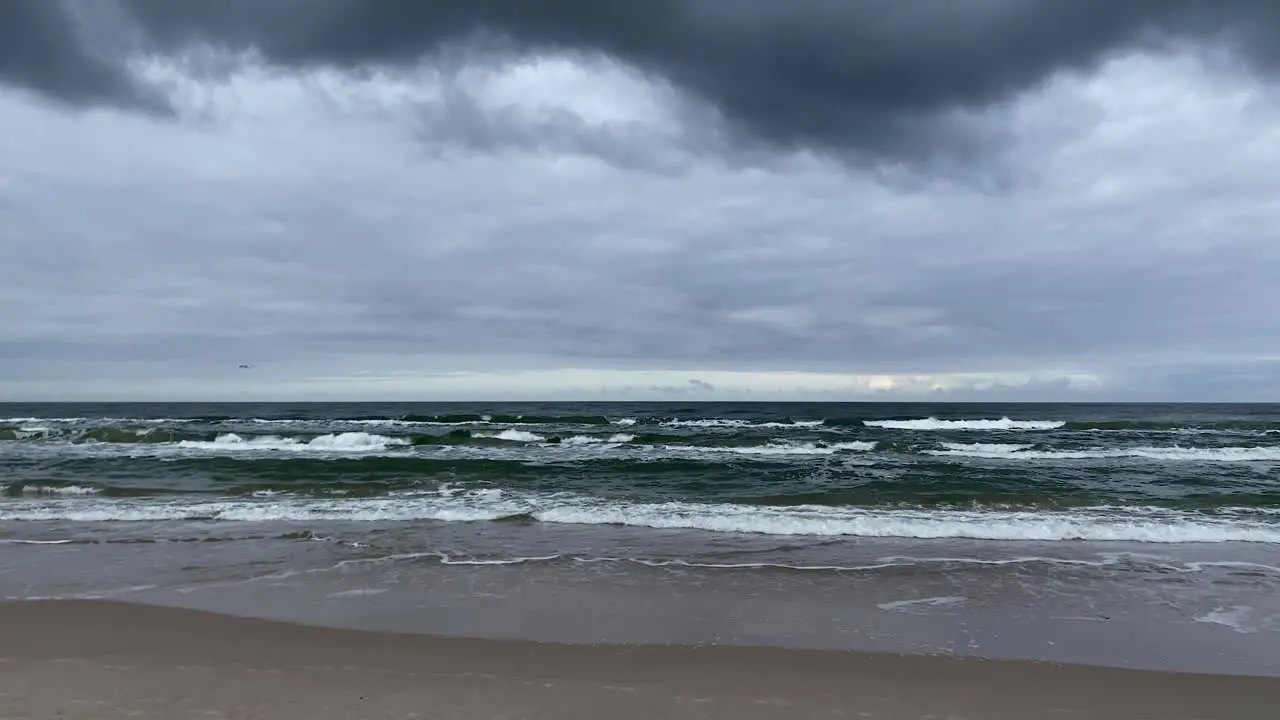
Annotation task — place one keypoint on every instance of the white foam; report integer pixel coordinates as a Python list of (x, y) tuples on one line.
[(447, 560), (358, 422), (24, 434), (1235, 617), (932, 423), (983, 525), (727, 423), (857, 445), (624, 422), (1152, 525), (71, 490), (787, 448), (333, 442), (707, 423), (987, 448), (742, 566), (358, 592), (615, 439), (513, 436), (1231, 564), (917, 604), (1173, 454)]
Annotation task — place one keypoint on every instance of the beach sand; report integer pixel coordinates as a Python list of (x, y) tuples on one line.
[(103, 659)]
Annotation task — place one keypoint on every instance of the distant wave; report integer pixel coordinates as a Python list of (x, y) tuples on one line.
[(439, 420), (724, 423), (519, 443), (339, 442), (1131, 524), (932, 423), (615, 439), (512, 436), (67, 490), (24, 427), (996, 451), (787, 448)]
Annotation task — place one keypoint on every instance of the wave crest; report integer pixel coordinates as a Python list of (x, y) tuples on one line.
[(993, 451), (1101, 523), (932, 423), (333, 442)]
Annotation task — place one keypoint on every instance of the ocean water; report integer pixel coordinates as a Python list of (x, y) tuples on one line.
[(929, 527)]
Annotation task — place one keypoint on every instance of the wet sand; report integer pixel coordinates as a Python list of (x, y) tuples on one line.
[(102, 659)]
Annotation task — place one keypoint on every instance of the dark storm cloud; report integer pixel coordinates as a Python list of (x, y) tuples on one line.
[(871, 76), (40, 49)]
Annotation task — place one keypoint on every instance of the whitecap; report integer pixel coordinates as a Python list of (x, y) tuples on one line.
[(1130, 524), (1172, 454), (787, 448), (332, 442), (615, 439), (932, 423), (513, 436)]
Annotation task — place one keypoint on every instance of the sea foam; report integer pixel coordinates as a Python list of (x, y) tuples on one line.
[(512, 436), (803, 448), (932, 423), (1131, 524), (1171, 454), (333, 442)]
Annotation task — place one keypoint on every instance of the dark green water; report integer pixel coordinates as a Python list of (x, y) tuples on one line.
[(1144, 473)]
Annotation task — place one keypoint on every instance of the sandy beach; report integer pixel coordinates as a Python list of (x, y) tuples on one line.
[(103, 659)]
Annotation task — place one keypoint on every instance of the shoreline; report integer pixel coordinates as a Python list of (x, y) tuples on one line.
[(104, 659)]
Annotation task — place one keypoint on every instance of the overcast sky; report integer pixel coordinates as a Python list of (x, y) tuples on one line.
[(811, 199)]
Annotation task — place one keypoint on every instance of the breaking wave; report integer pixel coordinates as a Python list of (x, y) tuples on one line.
[(932, 423), (788, 448), (512, 436), (998, 451), (1102, 523), (334, 442)]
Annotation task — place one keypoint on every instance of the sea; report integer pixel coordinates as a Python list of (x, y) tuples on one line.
[(1117, 534)]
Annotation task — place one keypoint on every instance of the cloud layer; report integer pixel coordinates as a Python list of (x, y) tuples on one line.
[(638, 200), (876, 78)]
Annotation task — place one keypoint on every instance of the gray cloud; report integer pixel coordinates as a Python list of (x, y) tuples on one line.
[(399, 229), (872, 75), (43, 48), (39, 50), (875, 78)]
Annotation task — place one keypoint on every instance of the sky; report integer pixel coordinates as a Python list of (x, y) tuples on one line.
[(680, 199)]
